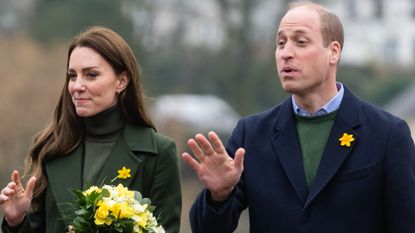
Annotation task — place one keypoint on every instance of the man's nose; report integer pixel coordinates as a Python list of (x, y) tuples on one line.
[(287, 51)]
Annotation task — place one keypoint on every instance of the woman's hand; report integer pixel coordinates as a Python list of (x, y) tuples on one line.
[(215, 168), (15, 200)]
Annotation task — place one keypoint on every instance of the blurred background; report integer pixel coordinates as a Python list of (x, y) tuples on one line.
[(206, 63)]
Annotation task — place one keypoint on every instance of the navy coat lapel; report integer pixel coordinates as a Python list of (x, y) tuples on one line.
[(287, 147), (347, 119)]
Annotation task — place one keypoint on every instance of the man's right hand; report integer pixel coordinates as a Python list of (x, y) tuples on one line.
[(15, 200), (215, 168)]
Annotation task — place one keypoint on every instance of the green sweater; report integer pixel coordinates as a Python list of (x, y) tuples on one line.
[(102, 132), (313, 133)]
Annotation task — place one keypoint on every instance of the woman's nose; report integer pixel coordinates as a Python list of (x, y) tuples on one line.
[(79, 85)]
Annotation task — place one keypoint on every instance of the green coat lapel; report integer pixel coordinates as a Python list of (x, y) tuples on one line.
[(135, 139), (121, 156), (64, 175)]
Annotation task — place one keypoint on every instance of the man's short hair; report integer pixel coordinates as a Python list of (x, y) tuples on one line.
[(331, 26)]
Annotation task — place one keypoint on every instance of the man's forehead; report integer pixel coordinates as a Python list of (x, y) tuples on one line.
[(301, 20)]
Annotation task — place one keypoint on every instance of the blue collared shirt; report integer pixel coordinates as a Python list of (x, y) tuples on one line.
[(329, 107)]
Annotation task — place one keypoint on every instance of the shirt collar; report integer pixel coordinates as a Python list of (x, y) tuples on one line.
[(331, 106)]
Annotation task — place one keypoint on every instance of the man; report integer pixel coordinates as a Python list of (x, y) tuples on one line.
[(322, 161)]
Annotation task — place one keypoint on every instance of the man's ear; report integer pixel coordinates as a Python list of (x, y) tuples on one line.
[(122, 82), (335, 52)]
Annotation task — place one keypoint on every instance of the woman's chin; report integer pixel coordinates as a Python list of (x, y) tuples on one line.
[(84, 112)]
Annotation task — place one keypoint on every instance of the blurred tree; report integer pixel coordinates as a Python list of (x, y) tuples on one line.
[(242, 70), (375, 84), (61, 20)]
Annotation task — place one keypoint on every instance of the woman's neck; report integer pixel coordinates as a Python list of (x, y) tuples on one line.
[(107, 122)]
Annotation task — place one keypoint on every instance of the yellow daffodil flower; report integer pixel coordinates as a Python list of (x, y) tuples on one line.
[(143, 219), (90, 190), (115, 204), (346, 140), (124, 173), (101, 214), (123, 191), (122, 210)]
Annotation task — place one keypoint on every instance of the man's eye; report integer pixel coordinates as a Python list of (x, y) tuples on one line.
[(280, 43), (301, 42)]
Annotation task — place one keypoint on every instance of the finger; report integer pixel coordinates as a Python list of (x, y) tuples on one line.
[(239, 159), (11, 185), (197, 151), (16, 178), (8, 190), (191, 162), (30, 186), (216, 142), (204, 144), (3, 199)]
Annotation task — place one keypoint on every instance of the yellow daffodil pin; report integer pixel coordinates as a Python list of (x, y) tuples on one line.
[(123, 173), (346, 139)]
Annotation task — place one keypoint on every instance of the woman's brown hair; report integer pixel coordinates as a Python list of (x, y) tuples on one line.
[(65, 131)]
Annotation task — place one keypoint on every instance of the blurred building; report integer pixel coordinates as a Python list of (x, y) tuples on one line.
[(376, 31), (200, 113), (182, 116), (404, 106)]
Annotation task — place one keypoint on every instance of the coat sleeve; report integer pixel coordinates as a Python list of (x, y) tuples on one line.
[(399, 180), (206, 216), (165, 189), (34, 222), (23, 227)]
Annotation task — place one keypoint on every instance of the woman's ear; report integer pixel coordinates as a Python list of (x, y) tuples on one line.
[(335, 52), (122, 82)]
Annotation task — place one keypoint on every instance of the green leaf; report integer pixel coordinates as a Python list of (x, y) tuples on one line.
[(151, 208), (138, 196), (145, 201), (105, 193), (82, 212)]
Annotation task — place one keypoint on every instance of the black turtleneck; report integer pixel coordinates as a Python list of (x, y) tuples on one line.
[(102, 132)]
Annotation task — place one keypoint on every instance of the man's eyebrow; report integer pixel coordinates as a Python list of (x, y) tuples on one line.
[(296, 31)]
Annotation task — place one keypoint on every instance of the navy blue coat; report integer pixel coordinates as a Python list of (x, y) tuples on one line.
[(368, 187)]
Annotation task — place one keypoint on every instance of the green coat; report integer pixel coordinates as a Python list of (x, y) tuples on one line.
[(153, 161)]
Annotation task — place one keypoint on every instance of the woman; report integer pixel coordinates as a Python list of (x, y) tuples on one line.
[(100, 125)]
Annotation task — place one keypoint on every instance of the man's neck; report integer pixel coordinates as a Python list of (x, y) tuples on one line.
[(312, 102)]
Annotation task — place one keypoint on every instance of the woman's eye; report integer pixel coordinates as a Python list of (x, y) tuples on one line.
[(72, 77), (91, 75)]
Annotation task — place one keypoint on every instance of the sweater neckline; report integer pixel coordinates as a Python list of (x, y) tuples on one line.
[(105, 123), (325, 117)]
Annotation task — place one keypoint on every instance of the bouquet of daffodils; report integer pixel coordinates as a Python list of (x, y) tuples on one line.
[(113, 209)]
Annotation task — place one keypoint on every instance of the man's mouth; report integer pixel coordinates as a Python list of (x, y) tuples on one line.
[(288, 69)]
